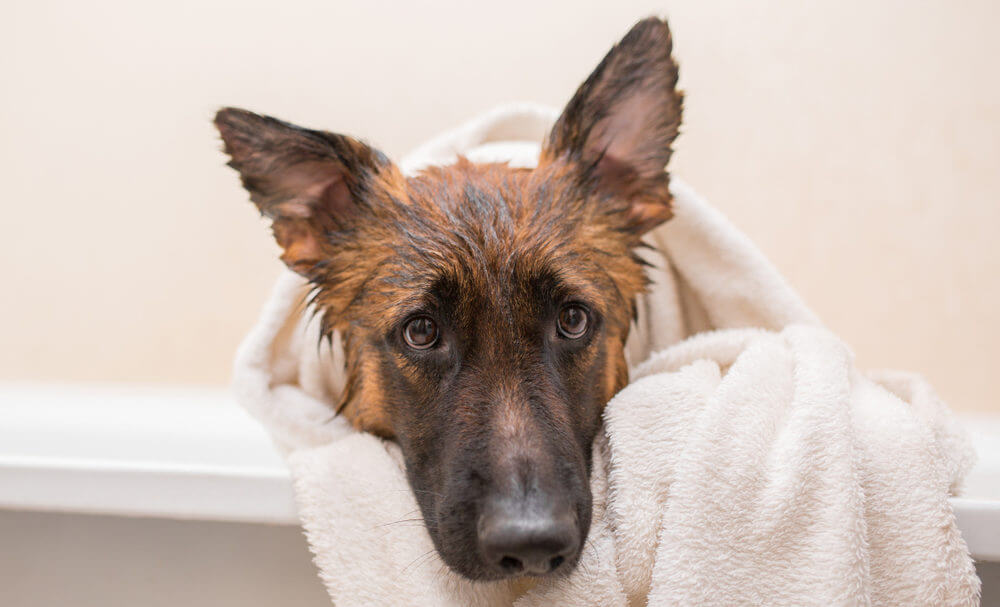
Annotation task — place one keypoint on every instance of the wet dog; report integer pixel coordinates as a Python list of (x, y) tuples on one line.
[(483, 309)]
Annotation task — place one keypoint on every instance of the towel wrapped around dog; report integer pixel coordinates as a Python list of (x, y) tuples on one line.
[(747, 462)]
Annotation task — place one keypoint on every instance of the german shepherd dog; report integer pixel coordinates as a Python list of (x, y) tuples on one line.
[(483, 309)]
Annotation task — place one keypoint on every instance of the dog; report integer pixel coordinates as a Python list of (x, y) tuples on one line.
[(483, 309)]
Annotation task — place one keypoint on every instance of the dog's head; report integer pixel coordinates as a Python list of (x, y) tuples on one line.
[(484, 309)]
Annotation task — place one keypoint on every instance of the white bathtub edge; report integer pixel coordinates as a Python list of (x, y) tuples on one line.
[(194, 454)]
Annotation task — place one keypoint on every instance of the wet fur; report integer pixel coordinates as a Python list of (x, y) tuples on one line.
[(491, 253)]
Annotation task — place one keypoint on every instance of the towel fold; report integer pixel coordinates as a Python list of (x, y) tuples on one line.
[(747, 462)]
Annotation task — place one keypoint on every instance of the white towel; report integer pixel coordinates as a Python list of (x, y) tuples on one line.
[(749, 464)]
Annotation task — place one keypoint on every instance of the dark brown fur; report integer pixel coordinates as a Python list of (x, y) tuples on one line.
[(503, 403)]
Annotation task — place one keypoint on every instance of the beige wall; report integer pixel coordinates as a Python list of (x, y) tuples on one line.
[(857, 142)]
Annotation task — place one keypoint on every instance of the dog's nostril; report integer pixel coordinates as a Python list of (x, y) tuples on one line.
[(511, 565), (528, 543)]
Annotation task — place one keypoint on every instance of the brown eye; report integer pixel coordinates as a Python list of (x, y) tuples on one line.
[(420, 332), (573, 321)]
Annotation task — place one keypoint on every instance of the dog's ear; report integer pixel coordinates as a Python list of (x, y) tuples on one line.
[(618, 128), (312, 184)]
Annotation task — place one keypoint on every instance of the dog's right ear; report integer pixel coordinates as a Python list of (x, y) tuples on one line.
[(312, 184)]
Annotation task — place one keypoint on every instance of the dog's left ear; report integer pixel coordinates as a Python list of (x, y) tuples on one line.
[(618, 128)]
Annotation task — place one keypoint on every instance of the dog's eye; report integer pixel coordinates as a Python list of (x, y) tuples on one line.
[(573, 321), (420, 332)]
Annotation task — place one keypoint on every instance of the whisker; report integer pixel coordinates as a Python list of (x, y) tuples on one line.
[(412, 490), (422, 556), (405, 520), (441, 571), (597, 553)]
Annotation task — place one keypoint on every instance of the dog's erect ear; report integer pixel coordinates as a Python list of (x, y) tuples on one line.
[(619, 126), (310, 183)]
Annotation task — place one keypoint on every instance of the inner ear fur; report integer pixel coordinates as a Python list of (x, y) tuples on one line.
[(312, 184), (618, 129)]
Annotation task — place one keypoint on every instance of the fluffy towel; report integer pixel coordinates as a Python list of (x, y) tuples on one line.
[(748, 464)]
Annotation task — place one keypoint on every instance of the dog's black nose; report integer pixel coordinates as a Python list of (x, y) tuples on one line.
[(528, 542)]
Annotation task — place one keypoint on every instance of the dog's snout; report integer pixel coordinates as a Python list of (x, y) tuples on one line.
[(514, 541)]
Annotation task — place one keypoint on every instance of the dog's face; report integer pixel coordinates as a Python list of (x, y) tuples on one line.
[(484, 309)]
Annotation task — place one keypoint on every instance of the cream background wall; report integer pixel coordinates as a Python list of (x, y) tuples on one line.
[(857, 142)]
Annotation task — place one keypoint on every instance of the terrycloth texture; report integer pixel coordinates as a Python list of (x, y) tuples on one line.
[(751, 464)]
